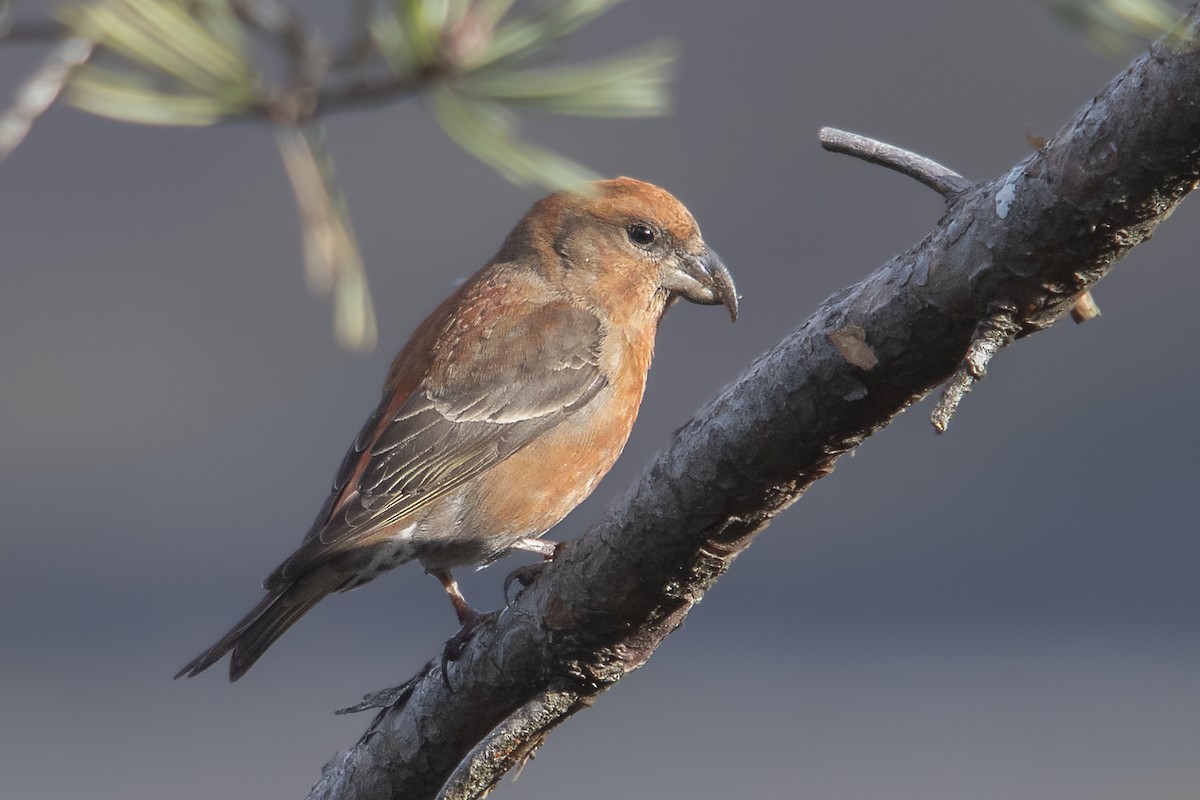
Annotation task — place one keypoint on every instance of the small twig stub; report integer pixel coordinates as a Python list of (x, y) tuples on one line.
[(1085, 308), (994, 332)]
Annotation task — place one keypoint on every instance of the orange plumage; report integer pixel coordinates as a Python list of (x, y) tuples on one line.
[(505, 408)]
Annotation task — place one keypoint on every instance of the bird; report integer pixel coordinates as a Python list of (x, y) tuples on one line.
[(506, 406)]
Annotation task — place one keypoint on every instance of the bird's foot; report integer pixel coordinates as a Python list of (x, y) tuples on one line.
[(523, 575), (529, 573), (457, 644)]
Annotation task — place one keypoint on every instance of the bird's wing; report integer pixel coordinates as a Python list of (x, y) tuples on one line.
[(500, 387)]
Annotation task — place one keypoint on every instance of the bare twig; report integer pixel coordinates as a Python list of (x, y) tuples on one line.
[(942, 180), (993, 333)]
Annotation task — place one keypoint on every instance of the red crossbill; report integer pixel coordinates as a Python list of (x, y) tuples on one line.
[(505, 408)]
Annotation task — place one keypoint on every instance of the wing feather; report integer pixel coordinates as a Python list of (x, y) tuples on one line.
[(513, 381)]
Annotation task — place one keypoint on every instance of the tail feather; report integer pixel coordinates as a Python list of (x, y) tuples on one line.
[(257, 631)]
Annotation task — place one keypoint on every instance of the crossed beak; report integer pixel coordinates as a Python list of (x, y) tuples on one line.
[(704, 279)]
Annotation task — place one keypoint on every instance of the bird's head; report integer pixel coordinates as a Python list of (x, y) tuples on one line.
[(624, 241)]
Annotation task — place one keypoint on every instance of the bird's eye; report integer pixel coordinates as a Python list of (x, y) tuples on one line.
[(640, 234)]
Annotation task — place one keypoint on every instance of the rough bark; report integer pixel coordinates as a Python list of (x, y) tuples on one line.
[(1008, 258)]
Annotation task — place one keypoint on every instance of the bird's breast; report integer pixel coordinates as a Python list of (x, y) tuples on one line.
[(532, 490)]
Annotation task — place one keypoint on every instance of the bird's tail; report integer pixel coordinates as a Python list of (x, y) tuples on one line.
[(251, 637)]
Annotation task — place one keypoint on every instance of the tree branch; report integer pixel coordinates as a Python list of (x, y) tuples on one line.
[(510, 743), (316, 88), (1008, 258), (942, 180)]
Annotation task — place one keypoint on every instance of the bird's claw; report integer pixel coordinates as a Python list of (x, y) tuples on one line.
[(523, 575), (529, 573), (457, 644)]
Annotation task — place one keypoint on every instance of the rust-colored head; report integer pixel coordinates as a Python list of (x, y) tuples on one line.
[(622, 241)]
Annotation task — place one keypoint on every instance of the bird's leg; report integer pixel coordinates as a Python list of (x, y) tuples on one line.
[(468, 617), (528, 574)]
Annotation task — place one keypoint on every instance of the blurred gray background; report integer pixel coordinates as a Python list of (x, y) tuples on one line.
[(1009, 610)]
